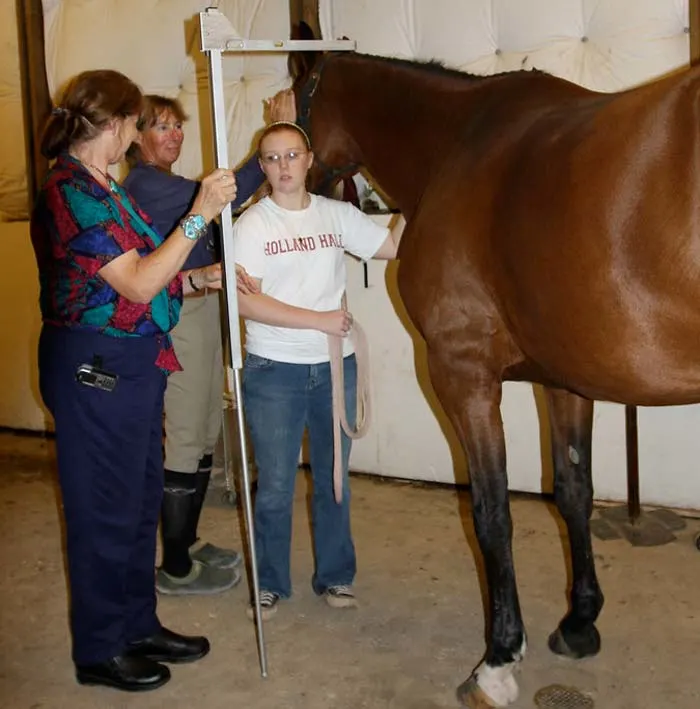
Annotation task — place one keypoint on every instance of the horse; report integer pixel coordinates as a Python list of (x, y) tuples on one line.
[(553, 236)]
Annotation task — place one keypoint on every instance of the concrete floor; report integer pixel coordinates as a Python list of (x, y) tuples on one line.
[(417, 635)]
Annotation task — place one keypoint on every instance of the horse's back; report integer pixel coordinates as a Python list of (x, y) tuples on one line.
[(578, 213)]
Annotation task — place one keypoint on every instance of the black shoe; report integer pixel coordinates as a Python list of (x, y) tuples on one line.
[(167, 646), (130, 674)]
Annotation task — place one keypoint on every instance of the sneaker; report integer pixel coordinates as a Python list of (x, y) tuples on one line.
[(268, 605), (211, 555), (340, 596), (202, 580)]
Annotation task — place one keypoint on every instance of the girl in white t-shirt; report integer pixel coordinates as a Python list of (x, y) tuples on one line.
[(292, 246)]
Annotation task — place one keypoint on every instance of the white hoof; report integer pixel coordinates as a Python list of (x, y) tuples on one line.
[(498, 683), (472, 697)]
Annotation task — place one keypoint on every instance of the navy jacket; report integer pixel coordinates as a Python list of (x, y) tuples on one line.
[(166, 198)]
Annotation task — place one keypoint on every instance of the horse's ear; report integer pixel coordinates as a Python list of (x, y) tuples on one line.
[(300, 64)]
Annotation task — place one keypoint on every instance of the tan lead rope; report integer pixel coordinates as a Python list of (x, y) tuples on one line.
[(364, 408)]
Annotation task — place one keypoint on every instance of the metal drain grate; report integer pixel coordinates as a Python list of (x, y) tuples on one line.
[(556, 696)]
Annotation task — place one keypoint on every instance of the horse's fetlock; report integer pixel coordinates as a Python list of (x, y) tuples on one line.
[(575, 643), (586, 606)]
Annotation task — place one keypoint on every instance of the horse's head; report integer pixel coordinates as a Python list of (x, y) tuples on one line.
[(335, 154)]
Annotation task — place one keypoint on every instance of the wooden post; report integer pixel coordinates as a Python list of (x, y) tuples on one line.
[(306, 10), (36, 100), (694, 25), (632, 441)]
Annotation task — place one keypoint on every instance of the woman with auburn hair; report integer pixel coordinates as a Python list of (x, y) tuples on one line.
[(110, 292)]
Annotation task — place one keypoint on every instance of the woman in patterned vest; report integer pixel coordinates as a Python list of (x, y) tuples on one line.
[(110, 292)]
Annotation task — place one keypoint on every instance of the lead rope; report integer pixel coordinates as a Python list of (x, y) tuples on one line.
[(364, 407)]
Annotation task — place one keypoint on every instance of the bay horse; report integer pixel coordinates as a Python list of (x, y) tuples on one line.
[(553, 236)]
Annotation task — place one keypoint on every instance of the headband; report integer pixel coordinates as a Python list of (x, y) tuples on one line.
[(293, 126)]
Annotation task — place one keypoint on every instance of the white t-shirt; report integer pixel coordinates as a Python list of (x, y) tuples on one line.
[(298, 255)]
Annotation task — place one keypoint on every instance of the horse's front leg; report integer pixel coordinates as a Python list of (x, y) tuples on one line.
[(473, 405), (571, 420)]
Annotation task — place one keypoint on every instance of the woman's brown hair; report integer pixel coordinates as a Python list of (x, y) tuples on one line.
[(88, 103)]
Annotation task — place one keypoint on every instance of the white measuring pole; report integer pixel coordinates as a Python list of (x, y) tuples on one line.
[(234, 332), (218, 36)]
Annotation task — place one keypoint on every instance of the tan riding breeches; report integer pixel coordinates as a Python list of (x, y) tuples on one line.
[(194, 396)]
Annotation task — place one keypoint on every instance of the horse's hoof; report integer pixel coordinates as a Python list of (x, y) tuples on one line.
[(576, 646), (471, 695)]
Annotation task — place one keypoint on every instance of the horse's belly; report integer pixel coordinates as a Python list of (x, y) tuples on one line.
[(623, 369), (643, 394)]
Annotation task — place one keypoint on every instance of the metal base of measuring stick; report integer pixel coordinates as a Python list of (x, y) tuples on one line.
[(217, 35)]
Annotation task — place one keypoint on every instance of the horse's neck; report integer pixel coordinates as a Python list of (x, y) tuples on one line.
[(386, 114)]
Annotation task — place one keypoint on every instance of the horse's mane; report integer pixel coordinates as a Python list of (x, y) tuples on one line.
[(437, 67)]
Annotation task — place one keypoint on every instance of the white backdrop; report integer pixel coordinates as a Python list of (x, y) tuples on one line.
[(157, 45), (605, 45)]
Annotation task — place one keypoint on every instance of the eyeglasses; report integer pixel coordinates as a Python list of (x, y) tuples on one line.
[(276, 158)]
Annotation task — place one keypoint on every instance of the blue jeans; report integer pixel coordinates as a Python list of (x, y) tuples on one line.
[(280, 401)]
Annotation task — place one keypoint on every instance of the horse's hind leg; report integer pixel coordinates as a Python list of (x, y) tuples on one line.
[(571, 420), (472, 401)]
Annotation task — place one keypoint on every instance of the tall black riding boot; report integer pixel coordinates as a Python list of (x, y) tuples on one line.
[(181, 574), (201, 484), (205, 552), (176, 518)]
